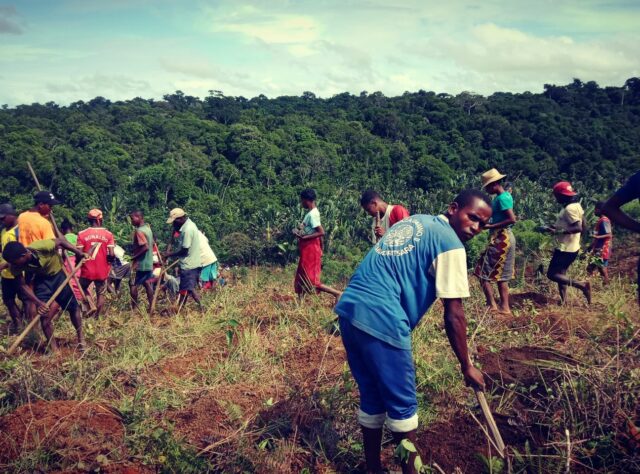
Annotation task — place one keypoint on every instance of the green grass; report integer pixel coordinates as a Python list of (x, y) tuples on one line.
[(287, 400)]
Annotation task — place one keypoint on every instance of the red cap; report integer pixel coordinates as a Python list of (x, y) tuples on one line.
[(95, 214), (563, 188)]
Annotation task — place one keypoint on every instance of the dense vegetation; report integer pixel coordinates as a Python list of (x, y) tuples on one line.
[(237, 165)]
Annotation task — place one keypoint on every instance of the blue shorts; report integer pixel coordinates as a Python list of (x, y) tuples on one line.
[(386, 379)]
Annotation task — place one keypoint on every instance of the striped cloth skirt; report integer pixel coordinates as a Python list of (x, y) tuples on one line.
[(498, 261)]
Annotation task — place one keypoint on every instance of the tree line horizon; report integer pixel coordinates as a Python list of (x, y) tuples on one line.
[(237, 165)]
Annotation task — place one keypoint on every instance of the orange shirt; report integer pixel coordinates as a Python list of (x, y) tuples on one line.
[(33, 227)]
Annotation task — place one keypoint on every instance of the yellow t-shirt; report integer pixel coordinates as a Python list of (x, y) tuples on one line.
[(6, 236), (569, 215), (33, 227), (49, 260)]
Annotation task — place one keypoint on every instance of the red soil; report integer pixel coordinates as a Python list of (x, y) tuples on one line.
[(74, 431)]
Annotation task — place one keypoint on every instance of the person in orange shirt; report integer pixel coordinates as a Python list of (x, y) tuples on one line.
[(34, 224)]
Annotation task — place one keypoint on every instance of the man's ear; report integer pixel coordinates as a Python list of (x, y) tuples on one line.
[(453, 208)]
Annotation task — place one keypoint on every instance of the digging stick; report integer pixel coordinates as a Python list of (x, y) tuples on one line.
[(88, 297), (157, 290), (493, 427), (490, 421), (37, 317)]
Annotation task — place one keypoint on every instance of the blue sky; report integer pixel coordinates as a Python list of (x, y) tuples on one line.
[(68, 50)]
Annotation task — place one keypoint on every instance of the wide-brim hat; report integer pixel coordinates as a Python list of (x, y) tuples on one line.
[(491, 176)]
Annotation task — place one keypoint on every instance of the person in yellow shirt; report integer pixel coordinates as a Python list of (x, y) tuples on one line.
[(34, 224), (10, 285), (42, 264)]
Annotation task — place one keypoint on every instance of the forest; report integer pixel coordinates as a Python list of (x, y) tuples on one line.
[(237, 165)]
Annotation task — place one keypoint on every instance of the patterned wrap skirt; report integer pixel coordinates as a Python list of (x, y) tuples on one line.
[(498, 261)]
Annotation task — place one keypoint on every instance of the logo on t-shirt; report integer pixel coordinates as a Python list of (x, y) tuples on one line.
[(401, 239)]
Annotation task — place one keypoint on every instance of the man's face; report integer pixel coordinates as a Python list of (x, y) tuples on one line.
[(135, 219), (371, 208), (8, 221), (44, 209), (468, 221), (492, 188), (597, 211), (179, 222), (304, 203), (21, 261)]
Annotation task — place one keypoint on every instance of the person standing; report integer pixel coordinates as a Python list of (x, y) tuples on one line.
[(189, 253), (309, 234), (601, 244), (612, 208), (384, 215), (418, 260), (34, 224), (96, 270), (497, 262), (141, 259), (10, 285), (42, 263), (567, 229)]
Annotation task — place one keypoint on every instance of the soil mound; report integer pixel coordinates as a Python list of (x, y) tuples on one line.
[(521, 300), (523, 365), (74, 431), (202, 422)]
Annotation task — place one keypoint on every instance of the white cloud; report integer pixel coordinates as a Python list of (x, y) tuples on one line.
[(270, 28)]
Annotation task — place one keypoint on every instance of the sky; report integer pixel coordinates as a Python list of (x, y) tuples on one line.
[(69, 50)]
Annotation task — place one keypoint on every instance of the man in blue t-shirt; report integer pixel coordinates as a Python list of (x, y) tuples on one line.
[(418, 260), (627, 193)]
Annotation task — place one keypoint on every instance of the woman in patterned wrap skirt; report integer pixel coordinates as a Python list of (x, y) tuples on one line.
[(497, 262)]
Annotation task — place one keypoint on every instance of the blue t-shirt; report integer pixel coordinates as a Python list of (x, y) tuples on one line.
[(501, 203), (631, 189), (418, 260)]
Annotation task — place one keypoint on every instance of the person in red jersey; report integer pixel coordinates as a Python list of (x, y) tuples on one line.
[(96, 270)]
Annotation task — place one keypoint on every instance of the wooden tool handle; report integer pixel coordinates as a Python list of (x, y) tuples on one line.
[(37, 317), (490, 421)]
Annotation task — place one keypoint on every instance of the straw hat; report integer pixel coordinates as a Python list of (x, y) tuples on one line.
[(491, 176)]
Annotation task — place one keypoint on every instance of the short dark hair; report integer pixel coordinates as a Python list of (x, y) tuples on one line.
[(368, 197), (137, 212), (66, 224), (467, 196), (308, 194), (13, 251), (599, 205)]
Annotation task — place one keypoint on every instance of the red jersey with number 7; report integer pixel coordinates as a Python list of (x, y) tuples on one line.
[(98, 267)]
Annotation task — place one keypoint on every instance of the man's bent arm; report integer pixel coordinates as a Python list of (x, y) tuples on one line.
[(455, 324), (27, 291), (66, 245), (613, 212)]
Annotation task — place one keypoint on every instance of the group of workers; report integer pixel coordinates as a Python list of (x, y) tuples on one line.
[(415, 260), (52, 271), (419, 258)]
